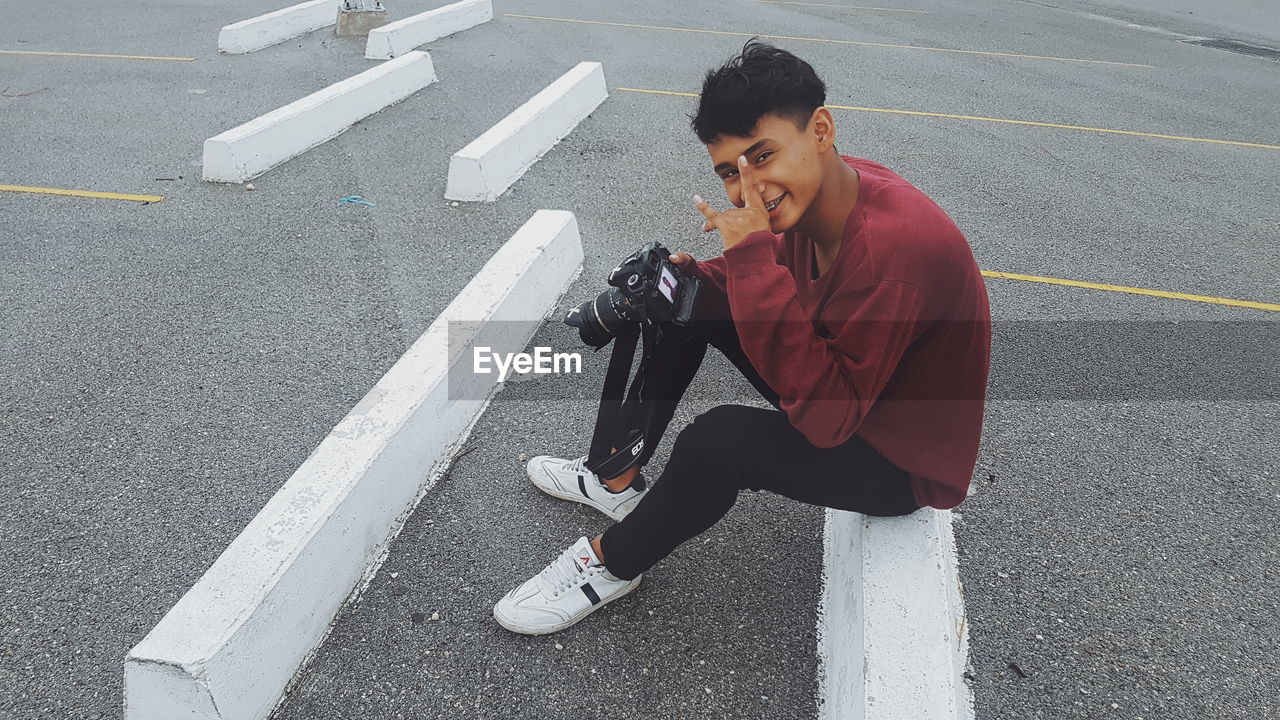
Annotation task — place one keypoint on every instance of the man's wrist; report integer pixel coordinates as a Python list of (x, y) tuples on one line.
[(756, 252)]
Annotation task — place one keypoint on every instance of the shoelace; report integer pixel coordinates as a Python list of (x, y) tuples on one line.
[(578, 465), (565, 573)]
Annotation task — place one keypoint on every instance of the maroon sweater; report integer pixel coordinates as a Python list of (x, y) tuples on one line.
[(891, 343)]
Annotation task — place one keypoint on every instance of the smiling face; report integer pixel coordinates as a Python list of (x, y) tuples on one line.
[(786, 160)]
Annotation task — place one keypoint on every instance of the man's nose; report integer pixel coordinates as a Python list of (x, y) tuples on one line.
[(741, 200)]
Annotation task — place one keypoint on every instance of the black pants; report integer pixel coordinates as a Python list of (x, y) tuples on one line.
[(734, 447)]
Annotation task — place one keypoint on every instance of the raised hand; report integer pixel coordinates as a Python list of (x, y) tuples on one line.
[(737, 223)]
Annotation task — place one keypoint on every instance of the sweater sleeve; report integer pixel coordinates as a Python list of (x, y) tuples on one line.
[(710, 271), (825, 385), (714, 271)]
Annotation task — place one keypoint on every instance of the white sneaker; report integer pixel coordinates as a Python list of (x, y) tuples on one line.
[(571, 480), (569, 589)]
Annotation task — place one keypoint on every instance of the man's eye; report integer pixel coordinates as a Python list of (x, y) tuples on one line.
[(762, 156)]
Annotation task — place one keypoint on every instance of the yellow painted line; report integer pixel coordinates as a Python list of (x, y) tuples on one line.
[(94, 55), (827, 40), (1032, 123), (82, 193), (844, 7), (1133, 291), (1060, 126)]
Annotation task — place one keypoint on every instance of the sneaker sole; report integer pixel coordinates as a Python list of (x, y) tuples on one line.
[(572, 497), (562, 626)]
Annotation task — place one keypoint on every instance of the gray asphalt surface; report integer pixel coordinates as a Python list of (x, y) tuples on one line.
[(166, 367), (1245, 20)]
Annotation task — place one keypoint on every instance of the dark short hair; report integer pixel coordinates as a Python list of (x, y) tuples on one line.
[(763, 79)]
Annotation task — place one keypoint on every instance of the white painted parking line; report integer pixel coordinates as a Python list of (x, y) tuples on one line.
[(276, 27), (892, 634), (398, 38), (228, 648), (491, 163), (260, 144)]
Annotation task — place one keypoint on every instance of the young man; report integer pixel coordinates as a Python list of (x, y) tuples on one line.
[(865, 325)]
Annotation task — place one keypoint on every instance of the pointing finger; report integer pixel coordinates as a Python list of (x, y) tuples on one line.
[(750, 191)]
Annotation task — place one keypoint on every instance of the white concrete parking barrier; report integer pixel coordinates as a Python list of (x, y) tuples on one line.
[(893, 640), (229, 648), (267, 30), (264, 142), (491, 163), (397, 38)]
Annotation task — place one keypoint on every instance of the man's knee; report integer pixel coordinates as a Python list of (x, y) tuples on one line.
[(704, 456)]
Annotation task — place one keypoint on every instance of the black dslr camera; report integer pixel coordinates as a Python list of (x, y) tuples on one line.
[(647, 288)]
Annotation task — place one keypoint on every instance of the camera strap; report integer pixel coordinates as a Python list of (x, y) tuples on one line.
[(615, 416)]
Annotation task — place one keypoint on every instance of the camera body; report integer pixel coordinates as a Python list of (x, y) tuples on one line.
[(658, 290), (647, 288)]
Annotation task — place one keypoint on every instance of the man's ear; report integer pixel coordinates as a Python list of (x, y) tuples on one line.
[(824, 129)]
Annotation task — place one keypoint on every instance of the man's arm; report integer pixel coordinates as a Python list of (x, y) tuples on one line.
[(711, 272), (825, 385), (734, 225)]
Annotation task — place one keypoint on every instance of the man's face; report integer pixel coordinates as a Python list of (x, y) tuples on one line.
[(784, 159)]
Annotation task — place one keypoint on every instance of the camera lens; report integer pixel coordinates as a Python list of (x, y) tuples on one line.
[(600, 320)]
